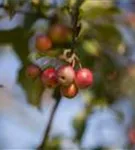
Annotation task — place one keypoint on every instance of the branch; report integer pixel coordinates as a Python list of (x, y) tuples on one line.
[(57, 96), (75, 17)]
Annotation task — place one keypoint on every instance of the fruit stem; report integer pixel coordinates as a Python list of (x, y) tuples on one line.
[(57, 96), (80, 65)]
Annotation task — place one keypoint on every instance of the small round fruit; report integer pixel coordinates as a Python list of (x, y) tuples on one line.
[(49, 77), (43, 43), (84, 78), (60, 33), (69, 91), (33, 71), (66, 75), (131, 136)]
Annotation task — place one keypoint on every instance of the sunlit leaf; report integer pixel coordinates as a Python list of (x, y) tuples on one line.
[(98, 12), (71, 2), (108, 33), (85, 28), (100, 103), (35, 2), (54, 143), (91, 47)]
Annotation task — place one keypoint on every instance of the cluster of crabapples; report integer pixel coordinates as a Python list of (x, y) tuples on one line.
[(66, 77)]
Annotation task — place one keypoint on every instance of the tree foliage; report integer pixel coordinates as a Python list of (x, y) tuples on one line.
[(96, 33)]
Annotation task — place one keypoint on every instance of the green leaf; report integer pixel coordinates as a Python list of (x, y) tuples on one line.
[(71, 2), (91, 47), (19, 39), (101, 103), (97, 12), (108, 34), (79, 124), (35, 92), (33, 88), (87, 4), (54, 143), (85, 28), (34, 56)]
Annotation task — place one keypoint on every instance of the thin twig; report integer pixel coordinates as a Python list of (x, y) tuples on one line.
[(57, 95), (75, 17), (44, 144), (76, 28)]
